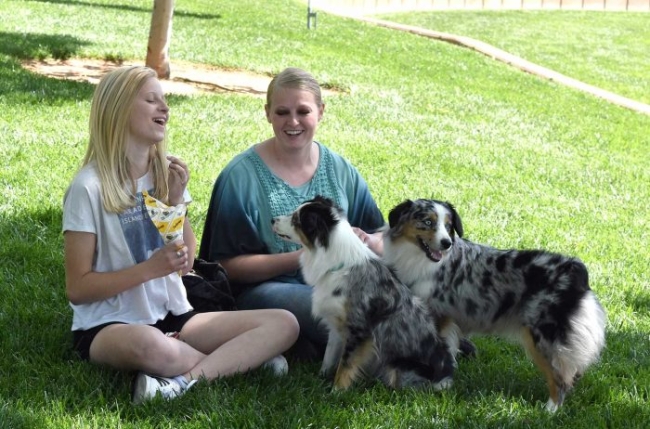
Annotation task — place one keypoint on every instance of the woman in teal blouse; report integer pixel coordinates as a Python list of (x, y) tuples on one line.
[(273, 178)]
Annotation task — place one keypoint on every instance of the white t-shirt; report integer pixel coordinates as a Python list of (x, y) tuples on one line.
[(123, 240)]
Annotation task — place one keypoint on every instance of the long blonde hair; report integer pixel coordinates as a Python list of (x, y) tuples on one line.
[(109, 124), (294, 78)]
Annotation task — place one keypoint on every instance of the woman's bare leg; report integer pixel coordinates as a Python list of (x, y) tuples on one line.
[(211, 344), (143, 348), (237, 341)]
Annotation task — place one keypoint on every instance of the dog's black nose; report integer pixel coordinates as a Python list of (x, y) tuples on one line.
[(445, 244)]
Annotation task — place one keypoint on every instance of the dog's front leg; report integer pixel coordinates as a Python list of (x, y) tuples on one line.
[(333, 353), (353, 362), (453, 337)]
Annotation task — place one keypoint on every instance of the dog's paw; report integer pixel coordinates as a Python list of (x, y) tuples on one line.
[(327, 374), (551, 406), (466, 348), (443, 384)]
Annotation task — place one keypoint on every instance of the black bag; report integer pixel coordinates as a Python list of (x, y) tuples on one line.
[(208, 287)]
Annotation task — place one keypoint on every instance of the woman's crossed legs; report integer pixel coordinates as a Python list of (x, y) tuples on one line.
[(209, 345)]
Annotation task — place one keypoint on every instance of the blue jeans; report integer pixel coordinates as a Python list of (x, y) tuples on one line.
[(295, 298)]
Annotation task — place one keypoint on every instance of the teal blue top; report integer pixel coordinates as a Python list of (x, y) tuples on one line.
[(247, 195)]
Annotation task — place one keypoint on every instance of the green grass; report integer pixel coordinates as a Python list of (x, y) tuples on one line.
[(606, 50), (527, 162)]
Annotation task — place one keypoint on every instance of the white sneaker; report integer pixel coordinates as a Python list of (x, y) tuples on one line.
[(146, 387), (278, 365)]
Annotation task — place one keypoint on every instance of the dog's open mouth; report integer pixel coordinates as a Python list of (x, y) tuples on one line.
[(284, 236), (434, 255)]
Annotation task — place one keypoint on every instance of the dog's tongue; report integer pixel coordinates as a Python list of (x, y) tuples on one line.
[(434, 255)]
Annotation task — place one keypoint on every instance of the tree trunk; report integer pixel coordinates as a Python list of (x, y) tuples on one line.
[(159, 37)]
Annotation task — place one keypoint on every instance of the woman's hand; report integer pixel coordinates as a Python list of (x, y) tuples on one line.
[(179, 175), (83, 285), (174, 257), (375, 241)]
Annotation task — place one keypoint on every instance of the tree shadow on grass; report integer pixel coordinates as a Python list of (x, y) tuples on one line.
[(10, 418), (501, 372), (639, 300), (34, 317), (18, 86), (129, 8), (27, 46), (32, 249)]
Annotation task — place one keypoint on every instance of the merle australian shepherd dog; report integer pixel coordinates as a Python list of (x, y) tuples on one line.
[(376, 326), (539, 298)]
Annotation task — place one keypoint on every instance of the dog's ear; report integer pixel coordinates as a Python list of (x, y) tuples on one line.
[(317, 221), (455, 220), (397, 212)]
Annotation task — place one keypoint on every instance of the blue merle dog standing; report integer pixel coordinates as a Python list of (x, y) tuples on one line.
[(538, 298)]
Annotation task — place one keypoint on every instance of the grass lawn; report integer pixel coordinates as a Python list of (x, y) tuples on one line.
[(527, 162), (578, 44)]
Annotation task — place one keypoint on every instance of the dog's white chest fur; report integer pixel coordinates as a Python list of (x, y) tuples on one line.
[(326, 269), (410, 265), (328, 299)]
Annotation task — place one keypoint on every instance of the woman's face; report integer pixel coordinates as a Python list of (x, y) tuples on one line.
[(294, 115), (149, 115)]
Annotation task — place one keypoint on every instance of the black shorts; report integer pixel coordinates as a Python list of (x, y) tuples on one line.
[(81, 340)]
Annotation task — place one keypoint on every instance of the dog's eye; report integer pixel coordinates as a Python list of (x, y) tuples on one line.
[(428, 222)]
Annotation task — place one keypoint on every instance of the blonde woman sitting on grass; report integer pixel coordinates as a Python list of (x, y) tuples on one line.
[(130, 309)]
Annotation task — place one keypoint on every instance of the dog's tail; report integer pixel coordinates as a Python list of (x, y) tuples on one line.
[(585, 331), (586, 339)]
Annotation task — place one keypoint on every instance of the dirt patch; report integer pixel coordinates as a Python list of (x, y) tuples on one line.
[(185, 79)]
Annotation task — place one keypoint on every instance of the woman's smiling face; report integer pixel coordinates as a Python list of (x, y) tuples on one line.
[(294, 114), (149, 114)]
